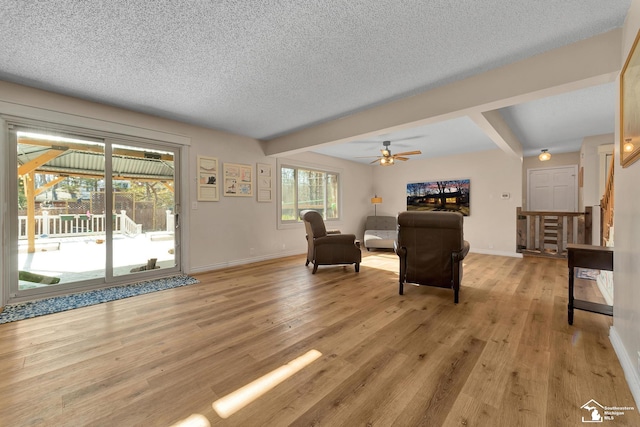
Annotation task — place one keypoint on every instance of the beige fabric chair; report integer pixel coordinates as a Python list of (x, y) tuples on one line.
[(329, 248), (431, 248)]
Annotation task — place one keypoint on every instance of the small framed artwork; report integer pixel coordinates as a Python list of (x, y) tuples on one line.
[(264, 195), (238, 180), (208, 179), (265, 188)]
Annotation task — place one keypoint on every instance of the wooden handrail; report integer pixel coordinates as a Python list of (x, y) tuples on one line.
[(550, 213), (606, 208)]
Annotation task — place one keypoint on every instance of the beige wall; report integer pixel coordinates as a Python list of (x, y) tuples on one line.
[(625, 333), (491, 227)]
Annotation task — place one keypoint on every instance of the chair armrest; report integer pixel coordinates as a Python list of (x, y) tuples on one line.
[(333, 231), (335, 239), (459, 256)]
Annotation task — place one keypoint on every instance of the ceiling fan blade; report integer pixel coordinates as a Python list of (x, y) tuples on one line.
[(404, 159), (375, 161), (367, 157), (409, 153)]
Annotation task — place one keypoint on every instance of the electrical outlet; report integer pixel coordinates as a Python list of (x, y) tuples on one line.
[(194, 205)]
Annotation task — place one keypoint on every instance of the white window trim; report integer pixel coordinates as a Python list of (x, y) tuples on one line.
[(312, 166)]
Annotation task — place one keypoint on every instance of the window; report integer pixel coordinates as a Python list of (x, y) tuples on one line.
[(304, 188)]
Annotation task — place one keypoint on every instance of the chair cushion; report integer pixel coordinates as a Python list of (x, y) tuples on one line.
[(380, 232), (379, 238)]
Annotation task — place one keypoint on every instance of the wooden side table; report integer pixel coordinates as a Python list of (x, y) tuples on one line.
[(588, 256)]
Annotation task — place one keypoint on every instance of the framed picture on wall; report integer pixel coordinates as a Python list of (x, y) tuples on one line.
[(452, 195), (630, 107), (208, 179), (265, 188), (238, 180)]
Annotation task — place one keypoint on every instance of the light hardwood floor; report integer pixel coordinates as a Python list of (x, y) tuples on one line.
[(504, 356)]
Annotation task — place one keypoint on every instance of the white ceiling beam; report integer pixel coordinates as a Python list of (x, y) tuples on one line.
[(495, 127), (589, 62)]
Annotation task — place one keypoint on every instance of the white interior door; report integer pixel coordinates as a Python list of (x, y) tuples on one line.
[(553, 189)]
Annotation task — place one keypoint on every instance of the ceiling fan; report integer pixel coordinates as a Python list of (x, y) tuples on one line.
[(388, 159)]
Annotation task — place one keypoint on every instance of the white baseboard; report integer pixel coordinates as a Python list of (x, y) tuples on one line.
[(630, 372), (494, 252), (243, 261)]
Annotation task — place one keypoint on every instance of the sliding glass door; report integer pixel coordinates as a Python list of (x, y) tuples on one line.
[(143, 209), (90, 211)]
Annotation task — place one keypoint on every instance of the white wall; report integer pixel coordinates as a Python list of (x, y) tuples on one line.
[(235, 230), (625, 333), (491, 227)]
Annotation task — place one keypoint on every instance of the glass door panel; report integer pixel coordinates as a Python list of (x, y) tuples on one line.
[(144, 206), (59, 217)]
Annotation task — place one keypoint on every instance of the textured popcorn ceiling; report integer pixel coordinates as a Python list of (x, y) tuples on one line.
[(267, 67)]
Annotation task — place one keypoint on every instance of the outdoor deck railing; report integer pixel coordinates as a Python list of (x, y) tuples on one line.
[(78, 225)]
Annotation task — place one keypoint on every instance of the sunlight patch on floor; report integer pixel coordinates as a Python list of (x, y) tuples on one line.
[(381, 260), (231, 403), (194, 420)]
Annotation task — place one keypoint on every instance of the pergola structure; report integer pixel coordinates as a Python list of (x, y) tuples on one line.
[(64, 159)]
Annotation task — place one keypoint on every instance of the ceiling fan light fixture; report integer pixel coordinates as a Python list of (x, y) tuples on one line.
[(386, 161), (544, 155)]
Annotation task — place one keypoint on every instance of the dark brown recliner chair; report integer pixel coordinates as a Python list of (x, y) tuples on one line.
[(329, 248), (431, 248)]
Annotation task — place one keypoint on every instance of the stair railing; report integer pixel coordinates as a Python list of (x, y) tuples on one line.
[(547, 234)]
